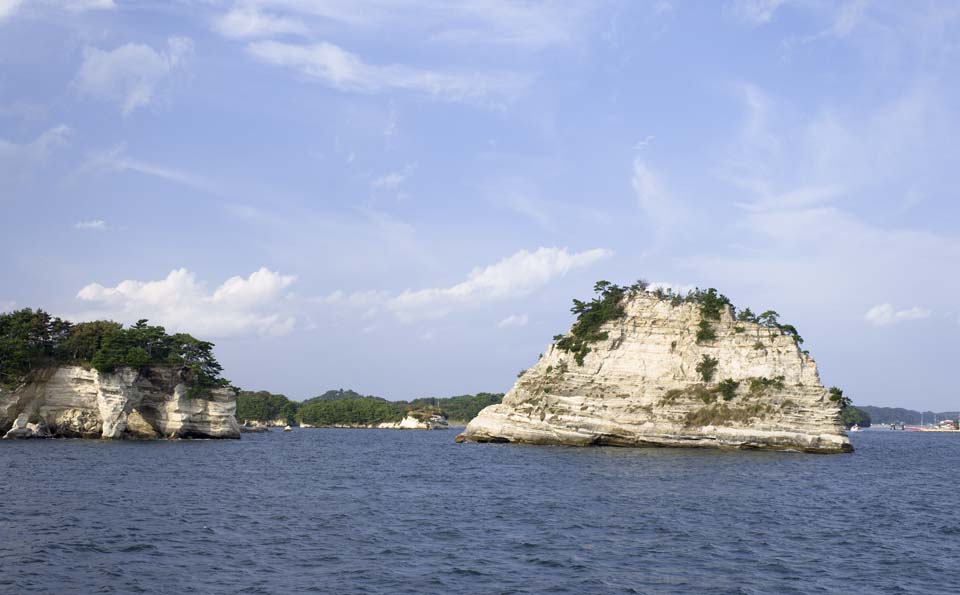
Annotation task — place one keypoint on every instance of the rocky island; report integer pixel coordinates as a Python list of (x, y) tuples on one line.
[(100, 380), (653, 368), (153, 402)]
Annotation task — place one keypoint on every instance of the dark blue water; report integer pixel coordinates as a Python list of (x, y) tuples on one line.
[(369, 511)]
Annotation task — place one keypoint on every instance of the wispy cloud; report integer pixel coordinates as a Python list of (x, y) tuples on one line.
[(249, 20), (18, 161), (884, 314), (755, 12), (117, 160), (181, 302), (130, 74), (514, 321), (80, 5), (339, 69), (514, 276), (8, 8), (91, 225), (392, 180), (534, 24), (662, 209)]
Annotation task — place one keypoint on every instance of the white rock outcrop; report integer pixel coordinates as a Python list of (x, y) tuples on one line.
[(72, 401), (410, 422), (641, 387)]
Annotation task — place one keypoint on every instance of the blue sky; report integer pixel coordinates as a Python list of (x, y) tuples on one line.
[(402, 197)]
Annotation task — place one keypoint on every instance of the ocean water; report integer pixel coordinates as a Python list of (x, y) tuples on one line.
[(380, 511)]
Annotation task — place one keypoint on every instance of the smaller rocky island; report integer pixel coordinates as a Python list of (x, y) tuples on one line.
[(101, 380), (648, 367)]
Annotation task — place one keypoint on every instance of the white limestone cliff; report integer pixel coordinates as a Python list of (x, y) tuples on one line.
[(73, 401), (641, 387)]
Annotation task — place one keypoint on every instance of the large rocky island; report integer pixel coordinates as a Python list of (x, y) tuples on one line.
[(652, 368), (101, 380)]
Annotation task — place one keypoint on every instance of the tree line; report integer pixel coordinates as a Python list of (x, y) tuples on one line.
[(33, 339), (347, 407)]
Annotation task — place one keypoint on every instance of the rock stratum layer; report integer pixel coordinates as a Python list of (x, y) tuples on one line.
[(641, 387), (75, 402)]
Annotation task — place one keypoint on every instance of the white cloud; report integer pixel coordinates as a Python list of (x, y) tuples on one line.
[(250, 21), (884, 314), (344, 71), (755, 12), (514, 276), (93, 224), (8, 7), (513, 321), (180, 302), (130, 74)]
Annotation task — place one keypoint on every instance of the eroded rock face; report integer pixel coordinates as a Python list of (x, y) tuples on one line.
[(74, 402), (641, 387)]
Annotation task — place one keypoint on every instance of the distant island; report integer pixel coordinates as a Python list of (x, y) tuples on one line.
[(899, 415), (348, 408), (99, 379), (645, 366)]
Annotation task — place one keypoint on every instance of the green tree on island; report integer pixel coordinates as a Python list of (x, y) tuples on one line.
[(33, 339)]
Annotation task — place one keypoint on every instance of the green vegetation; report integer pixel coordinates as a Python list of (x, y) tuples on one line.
[(851, 416), (761, 384), (265, 406), (721, 413), (606, 306), (32, 339), (836, 395), (705, 331), (728, 388), (336, 394), (696, 391), (707, 367), (341, 407), (461, 408), (352, 411), (899, 415), (712, 303)]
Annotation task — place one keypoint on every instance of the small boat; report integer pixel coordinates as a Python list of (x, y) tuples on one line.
[(289, 429), (854, 428)]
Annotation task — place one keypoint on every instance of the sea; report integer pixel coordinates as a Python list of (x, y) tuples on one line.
[(384, 511)]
